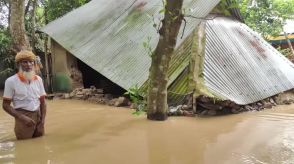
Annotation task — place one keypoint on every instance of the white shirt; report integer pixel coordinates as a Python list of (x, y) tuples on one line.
[(24, 95)]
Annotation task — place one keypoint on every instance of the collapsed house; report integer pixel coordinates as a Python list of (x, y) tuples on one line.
[(108, 36), (107, 41)]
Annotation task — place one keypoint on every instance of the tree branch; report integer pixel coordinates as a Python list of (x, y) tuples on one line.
[(185, 21), (27, 7), (203, 18)]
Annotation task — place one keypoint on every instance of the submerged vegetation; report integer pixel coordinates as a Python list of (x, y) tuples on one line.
[(136, 97)]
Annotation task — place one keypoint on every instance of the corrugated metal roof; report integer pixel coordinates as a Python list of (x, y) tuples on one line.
[(241, 66), (108, 35)]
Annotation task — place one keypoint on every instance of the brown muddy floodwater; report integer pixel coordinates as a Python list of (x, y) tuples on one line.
[(83, 133)]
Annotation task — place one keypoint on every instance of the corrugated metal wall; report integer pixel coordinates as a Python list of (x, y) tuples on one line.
[(241, 66)]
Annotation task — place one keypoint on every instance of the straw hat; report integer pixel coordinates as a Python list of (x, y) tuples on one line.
[(25, 55)]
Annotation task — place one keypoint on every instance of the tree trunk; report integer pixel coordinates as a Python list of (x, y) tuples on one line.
[(33, 19), (17, 27), (46, 40), (158, 76)]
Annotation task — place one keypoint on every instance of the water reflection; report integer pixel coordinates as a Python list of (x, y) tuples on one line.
[(80, 132)]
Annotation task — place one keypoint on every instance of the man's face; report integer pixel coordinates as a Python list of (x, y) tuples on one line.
[(26, 65)]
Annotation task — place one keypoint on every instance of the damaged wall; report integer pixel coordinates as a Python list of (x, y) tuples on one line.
[(66, 75)]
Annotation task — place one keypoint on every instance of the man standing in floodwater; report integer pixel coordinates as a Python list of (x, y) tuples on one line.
[(26, 92)]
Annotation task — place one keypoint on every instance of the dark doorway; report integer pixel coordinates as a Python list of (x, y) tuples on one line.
[(93, 78)]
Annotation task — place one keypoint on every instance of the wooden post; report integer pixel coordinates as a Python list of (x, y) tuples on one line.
[(289, 44), (48, 85)]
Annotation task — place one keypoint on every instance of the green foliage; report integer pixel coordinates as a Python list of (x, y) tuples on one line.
[(136, 97), (224, 7), (284, 8), (163, 9), (58, 8), (286, 52), (5, 40), (53, 10), (267, 16), (6, 57), (61, 83), (147, 46), (38, 25)]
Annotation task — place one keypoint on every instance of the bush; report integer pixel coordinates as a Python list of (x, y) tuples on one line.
[(61, 83), (7, 66)]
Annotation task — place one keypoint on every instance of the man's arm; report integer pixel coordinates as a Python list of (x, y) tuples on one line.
[(8, 108), (43, 109)]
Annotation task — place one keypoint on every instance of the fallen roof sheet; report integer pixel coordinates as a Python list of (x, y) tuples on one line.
[(241, 66), (108, 35)]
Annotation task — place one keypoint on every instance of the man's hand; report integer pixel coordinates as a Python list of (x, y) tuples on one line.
[(40, 131), (23, 118), (27, 121), (41, 124), (42, 121)]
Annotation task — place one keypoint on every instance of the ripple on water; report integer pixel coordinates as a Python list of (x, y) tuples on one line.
[(251, 160), (6, 127), (281, 117), (280, 145), (5, 146), (78, 129), (7, 152)]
